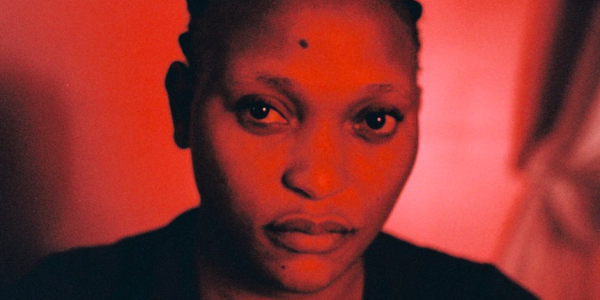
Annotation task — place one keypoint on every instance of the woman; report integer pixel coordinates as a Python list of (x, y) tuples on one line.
[(302, 120)]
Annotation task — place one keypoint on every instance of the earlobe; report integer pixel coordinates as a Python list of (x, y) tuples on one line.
[(179, 84)]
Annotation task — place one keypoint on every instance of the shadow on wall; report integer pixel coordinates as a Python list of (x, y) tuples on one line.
[(34, 169)]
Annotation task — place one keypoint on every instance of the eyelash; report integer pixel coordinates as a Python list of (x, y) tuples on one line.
[(252, 111), (363, 128), (244, 109)]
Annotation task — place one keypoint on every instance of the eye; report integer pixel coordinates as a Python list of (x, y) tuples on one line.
[(377, 124), (259, 114)]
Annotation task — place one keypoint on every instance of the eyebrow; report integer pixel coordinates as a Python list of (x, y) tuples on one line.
[(380, 88), (279, 83), (284, 84)]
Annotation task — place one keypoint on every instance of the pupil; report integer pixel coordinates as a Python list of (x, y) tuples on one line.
[(375, 120), (259, 111)]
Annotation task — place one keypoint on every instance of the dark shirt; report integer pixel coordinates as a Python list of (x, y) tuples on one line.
[(160, 265)]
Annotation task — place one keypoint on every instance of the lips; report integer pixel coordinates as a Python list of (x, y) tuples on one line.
[(303, 234)]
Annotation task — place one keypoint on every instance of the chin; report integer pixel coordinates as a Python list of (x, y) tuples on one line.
[(307, 274)]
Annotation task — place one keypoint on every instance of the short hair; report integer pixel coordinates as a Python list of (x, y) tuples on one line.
[(203, 40)]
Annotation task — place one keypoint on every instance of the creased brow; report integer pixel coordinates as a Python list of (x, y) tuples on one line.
[(280, 83), (380, 88)]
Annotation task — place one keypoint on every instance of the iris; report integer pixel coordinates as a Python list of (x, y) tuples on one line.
[(259, 111), (375, 120)]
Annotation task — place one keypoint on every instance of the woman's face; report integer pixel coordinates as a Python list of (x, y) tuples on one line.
[(303, 149)]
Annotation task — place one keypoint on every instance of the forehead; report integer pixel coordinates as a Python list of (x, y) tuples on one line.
[(359, 26), (359, 41)]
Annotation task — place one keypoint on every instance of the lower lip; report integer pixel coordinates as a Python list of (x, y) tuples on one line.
[(300, 242)]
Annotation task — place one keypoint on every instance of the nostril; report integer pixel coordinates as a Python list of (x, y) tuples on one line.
[(317, 167), (285, 180)]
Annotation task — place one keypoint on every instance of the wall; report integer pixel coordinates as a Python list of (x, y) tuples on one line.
[(463, 189)]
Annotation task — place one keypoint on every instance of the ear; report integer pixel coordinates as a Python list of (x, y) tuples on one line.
[(419, 95), (179, 84)]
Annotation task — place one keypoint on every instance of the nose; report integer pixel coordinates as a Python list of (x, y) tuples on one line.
[(318, 165)]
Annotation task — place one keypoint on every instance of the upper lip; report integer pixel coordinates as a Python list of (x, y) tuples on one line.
[(311, 225)]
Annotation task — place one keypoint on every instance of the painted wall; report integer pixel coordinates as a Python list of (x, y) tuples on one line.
[(86, 153), (463, 189)]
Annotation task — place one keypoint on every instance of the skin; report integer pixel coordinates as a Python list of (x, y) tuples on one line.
[(317, 70)]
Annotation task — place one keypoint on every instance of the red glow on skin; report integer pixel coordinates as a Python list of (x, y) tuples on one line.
[(317, 164)]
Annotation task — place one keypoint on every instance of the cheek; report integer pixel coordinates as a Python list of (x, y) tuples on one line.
[(251, 167), (380, 172)]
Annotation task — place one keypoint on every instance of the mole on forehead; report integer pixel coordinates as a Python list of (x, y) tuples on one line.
[(303, 43)]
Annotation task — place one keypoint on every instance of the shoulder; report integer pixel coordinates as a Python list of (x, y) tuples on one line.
[(401, 268), (127, 269)]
